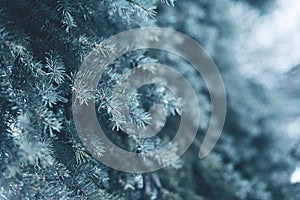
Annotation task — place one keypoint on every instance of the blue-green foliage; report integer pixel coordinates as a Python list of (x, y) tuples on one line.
[(42, 45)]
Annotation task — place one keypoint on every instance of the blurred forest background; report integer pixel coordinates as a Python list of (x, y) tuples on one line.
[(255, 44)]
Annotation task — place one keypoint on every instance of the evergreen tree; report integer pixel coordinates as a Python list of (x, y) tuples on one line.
[(44, 43)]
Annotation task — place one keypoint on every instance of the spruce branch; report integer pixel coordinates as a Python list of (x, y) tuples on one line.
[(130, 8), (55, 68)]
